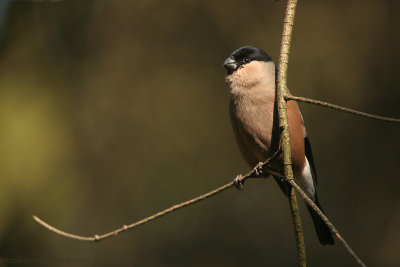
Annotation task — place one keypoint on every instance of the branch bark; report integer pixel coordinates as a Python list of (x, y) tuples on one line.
[(238, 182), (340, 108), (284, 126)]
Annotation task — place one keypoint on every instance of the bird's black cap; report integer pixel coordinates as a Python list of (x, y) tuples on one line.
[(253, 53), (244, 55)]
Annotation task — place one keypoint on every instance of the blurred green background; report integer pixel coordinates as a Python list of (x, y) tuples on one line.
[(113, 110)]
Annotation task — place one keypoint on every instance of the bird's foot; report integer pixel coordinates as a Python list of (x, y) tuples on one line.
[(239, 182), (258, 170)]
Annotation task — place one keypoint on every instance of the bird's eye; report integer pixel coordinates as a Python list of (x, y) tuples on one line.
[(246, 60)]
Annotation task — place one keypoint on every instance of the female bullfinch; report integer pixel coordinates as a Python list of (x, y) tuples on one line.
[(254, 116)]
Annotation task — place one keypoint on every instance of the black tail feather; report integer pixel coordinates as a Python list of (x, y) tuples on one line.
[(323, 232)]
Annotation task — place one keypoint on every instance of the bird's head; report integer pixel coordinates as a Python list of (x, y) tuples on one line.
[(248, 65)]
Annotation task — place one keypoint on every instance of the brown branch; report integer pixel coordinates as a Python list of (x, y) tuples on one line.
[(326, 220), (238, 181), (138, 223), (340, 108), (283, 124)]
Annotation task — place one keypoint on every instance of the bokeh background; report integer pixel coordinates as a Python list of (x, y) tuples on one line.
[(113, 110)]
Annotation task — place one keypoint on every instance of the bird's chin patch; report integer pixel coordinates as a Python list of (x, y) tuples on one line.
[(232, 75), (229, 78), (230, 71), (240, 77)]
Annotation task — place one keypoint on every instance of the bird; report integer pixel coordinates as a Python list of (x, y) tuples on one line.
[(251, 76)]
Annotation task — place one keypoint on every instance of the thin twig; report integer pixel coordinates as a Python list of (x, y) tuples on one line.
[(283, 124), (239, 180), (138, 223), (340, 108), (251, 174), (326, 220)]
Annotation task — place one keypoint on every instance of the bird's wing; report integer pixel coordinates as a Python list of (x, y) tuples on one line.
[(310, 158)]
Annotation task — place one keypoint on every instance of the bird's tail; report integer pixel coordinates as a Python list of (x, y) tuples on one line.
[(323, 231)]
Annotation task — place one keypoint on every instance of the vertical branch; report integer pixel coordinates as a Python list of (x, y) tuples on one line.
[(298, 228), (284, 126)]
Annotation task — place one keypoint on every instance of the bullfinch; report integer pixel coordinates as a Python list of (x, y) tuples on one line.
[(251, 75)]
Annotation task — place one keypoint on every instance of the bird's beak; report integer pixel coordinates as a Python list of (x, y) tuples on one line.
[(230, 64)]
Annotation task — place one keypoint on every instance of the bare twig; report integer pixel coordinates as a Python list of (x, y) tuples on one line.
[(138, 223), (283, 124), (239, 180), (242, 179), (340, 108), (326, 220)]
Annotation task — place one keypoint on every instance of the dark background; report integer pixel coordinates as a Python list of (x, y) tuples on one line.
[(113, 110)]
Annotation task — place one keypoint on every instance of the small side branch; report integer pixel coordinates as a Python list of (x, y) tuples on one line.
[(340, 108), (240, 180)]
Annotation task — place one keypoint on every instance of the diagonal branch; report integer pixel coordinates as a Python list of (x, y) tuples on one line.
[(340, 108), (238, 181), (254, 173), (138, 223), (326, 220)]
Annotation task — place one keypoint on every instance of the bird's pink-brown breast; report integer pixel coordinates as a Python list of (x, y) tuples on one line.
[(252, 113)]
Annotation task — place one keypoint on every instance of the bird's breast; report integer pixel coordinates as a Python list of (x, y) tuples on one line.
[(252, 119)]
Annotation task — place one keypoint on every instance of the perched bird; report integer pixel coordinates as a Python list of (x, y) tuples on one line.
[(254, 116)]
